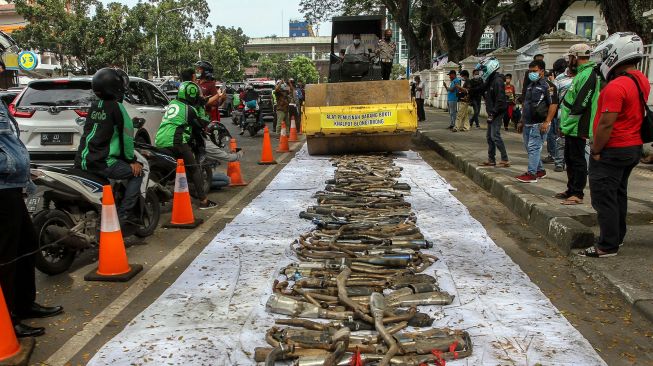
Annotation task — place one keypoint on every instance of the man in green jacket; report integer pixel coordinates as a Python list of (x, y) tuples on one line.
[(175, 133), (576, 118)]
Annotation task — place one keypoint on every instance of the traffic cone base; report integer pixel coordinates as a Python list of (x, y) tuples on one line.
[(182, 209), (112, 262), (22, 356)]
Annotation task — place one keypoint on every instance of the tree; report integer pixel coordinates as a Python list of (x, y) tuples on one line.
[(397, 71), (525, 20), (627, 16), (274, 66), (304, 70)]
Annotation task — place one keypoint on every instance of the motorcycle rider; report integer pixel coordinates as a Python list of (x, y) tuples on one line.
[(204, 78), (217, 133), (250, 100), (107, 145), (180, 122)]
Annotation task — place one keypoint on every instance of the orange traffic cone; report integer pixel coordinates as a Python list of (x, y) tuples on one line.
[(182, 210), (293, 130), (12, 351), (233, 168), (283, 139), (266, 154), (113, 265)]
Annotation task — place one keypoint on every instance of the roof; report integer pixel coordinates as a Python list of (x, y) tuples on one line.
[(79, 78), (270, 41), (361, 24)]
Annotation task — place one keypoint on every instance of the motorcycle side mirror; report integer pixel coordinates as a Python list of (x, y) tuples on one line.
[(138, 122), (80, 121)]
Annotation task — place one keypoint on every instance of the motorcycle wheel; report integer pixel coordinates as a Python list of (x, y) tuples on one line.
[(151, 215), (252, 130), (57, 259)]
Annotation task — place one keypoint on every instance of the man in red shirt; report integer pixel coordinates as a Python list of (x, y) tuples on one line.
[(617, 144), (204, 78)]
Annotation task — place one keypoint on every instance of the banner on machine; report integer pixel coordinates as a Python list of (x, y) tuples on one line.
[(358, 120)]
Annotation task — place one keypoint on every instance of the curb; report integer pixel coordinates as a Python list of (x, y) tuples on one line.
[(555, 225), (558, 227)]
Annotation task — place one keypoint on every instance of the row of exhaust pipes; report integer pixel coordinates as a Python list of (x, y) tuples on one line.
[(359, 284)]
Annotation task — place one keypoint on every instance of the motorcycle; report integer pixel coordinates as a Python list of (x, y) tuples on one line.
[(237, 114), (71, 208), (251, 119)]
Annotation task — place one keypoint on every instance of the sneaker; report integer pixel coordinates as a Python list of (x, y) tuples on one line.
[(548, 160), (242, 132), (208, 205), (541, 173), (592, 252), (526, 178), (558, 169)]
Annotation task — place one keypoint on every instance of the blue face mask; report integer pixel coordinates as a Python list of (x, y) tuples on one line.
[(534, 76)]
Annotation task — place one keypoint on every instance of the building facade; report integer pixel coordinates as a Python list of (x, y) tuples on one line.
[(317, 49), (300, 28)]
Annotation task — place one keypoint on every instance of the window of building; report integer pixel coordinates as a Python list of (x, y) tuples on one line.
[(562, 25), (487, 41), (585, 27)]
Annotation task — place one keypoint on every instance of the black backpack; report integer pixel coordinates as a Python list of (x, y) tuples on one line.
[(647, 121)]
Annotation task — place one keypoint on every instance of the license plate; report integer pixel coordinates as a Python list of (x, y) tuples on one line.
[(32, 203), (57, 138)]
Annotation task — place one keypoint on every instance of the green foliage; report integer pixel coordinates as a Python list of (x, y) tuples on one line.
[(274, 66), (304, 70), (397, 71)]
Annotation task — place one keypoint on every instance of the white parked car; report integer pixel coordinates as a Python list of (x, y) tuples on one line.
[(47, 110)]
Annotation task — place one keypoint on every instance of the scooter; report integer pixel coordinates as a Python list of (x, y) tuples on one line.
[(251, 119), (237, 114), (70, 202)]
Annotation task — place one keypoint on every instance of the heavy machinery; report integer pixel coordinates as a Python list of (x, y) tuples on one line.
[(357, 111)]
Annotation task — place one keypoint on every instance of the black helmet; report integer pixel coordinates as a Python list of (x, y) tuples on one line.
[(206, 67), (110, 84), (217, 133)]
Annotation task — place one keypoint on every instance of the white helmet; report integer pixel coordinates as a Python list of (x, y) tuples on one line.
[(617, 49), (487, 67)]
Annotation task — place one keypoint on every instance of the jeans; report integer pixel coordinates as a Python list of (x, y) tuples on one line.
[(494, 140), (18, 238), (461, 119), (421, 114), (576, 166), (533, 143), (122, 170), (453, 111), (219, 180), (184, 152), (476, 106), (609, 188), (552, 140)]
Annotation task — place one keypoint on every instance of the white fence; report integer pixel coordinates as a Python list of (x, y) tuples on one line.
[(646, 66)]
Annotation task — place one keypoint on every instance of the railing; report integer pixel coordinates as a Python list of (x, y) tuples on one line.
[(646, 67)]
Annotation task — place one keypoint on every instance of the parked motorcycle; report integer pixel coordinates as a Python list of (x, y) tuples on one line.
[(71, 207)]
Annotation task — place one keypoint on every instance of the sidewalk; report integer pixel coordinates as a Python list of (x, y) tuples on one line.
[(567, 227)]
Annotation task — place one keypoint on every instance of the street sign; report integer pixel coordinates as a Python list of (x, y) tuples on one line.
[(27, 60)]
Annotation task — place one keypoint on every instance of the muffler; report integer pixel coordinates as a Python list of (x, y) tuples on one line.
[(68, 237)]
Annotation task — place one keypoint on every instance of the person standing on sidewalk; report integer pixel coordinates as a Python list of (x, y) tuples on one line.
[(576, 118), (510, 95), (463, 103), (419, 98), (539, 109), (476, 89), (617, 144), (452, 98), (527, 81), (496, 105), (554, 143)]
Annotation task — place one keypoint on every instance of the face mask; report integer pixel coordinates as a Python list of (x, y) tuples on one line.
[(388, 38), (357, 42), (534, 76), (477, 76), (198, 75)]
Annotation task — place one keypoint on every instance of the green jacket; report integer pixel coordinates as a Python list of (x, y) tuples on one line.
[(176, 125), (236, 100), (579, 106)]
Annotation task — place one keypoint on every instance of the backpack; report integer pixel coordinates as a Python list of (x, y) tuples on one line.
[(647, 122)]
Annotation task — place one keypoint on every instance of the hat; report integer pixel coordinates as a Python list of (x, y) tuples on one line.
[(452, 72), (580, 50)]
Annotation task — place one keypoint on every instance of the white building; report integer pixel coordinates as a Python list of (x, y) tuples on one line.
[(584, 18)]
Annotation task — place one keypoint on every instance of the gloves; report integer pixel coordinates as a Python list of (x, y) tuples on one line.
[(239, 155)]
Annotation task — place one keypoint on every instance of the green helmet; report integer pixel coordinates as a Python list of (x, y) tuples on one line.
[(188, 92)]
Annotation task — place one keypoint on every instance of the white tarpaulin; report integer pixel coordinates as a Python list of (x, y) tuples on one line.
[(214, 314)]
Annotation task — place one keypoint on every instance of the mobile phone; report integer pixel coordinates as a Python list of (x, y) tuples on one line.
[(238, 149)]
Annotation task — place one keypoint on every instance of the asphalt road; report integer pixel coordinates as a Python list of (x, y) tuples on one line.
[(621, 337)]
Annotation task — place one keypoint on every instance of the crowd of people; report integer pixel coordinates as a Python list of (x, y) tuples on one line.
[(589, 110)]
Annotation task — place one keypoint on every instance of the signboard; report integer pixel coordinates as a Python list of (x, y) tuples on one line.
[(27, 60), (358, 120)]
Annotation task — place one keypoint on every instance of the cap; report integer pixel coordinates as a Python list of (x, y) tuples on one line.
[(580, 50)]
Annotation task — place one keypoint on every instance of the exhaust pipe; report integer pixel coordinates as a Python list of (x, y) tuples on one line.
[(280, 304), (68, 237)]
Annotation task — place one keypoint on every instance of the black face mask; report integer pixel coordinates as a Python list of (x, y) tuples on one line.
[(388, 38)]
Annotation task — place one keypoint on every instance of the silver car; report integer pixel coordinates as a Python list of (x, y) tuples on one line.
[(47, 110)]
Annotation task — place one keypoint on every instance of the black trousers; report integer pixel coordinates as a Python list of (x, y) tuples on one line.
[(293, 111), (184, 152), (17, 238), (576, 166), (386, 70), (421, 114), (609, 188)]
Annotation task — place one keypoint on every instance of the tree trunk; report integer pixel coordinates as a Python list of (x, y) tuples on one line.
[(620, 18), (525, 23)]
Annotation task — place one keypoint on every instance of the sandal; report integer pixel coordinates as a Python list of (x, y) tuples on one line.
[(487, 163), (572, 200), (562, 195), (593, 252), (504, 164)]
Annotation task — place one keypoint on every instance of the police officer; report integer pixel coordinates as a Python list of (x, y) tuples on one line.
[(385, 50)]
